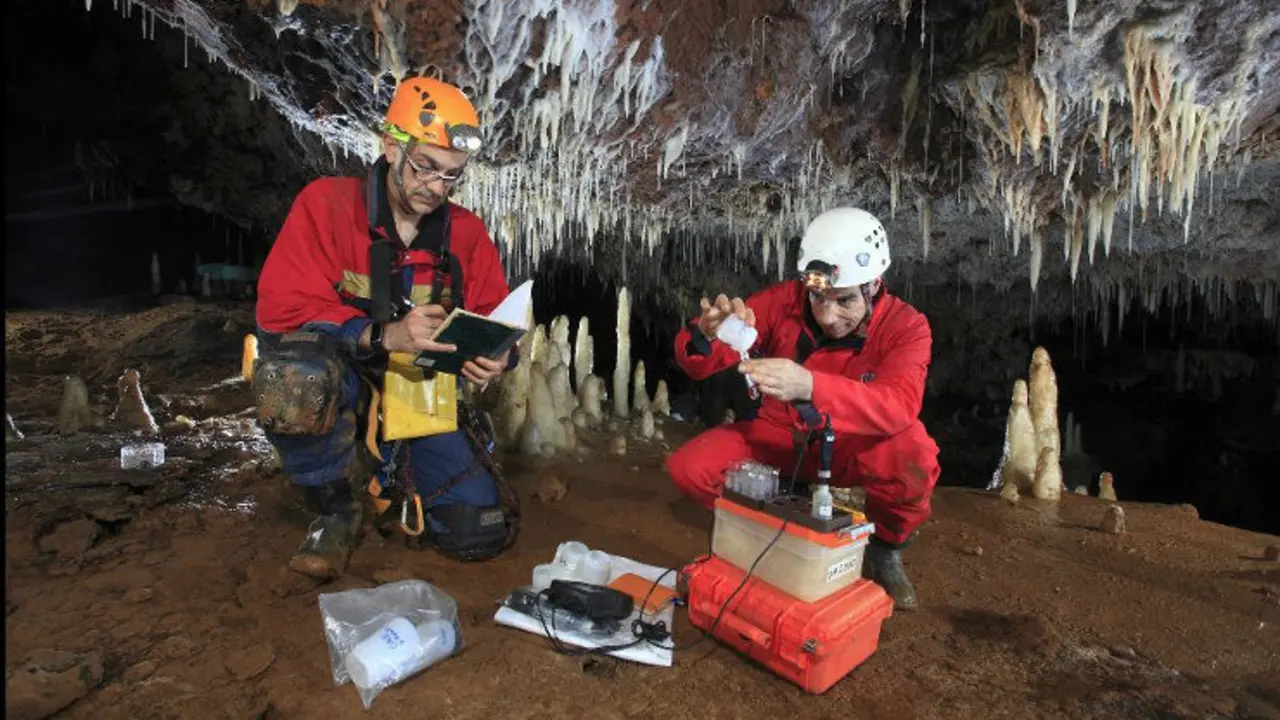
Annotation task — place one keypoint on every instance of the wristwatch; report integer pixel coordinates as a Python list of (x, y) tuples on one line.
[(375, 337)]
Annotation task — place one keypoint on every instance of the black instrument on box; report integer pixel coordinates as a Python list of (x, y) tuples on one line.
[(568, 606), (796, 507)]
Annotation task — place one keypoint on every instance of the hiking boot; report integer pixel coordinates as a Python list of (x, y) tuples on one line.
[(324, 551), (883, 565)]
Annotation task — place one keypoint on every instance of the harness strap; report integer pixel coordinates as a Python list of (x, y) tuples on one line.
[(386, 245), (382, 251)]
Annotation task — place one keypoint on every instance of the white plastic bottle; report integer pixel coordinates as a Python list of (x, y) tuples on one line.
[(399, 649), (823, 502)]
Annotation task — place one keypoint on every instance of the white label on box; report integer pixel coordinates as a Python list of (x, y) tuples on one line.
[(842, 568)]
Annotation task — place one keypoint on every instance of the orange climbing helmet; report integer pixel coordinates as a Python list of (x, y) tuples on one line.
[(427, 110)]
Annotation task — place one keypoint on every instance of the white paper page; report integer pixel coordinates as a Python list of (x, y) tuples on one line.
[(515, 308)]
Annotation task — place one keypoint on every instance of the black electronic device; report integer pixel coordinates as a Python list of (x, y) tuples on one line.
[(597, 603)]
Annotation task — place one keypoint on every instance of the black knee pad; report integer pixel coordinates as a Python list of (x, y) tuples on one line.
[(469, 532), (297, 384)]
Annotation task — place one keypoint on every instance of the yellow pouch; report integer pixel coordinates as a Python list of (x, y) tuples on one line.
[(413, 406)]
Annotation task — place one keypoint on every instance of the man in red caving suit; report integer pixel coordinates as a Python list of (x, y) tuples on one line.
[(833, 347), (363, 269)]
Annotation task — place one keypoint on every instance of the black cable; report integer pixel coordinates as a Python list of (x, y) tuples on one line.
[(655, 632), (709, 632)]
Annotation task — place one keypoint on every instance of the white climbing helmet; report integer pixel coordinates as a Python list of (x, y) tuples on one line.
[(844, 247)]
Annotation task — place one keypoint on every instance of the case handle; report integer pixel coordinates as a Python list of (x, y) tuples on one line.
[(748, 631)]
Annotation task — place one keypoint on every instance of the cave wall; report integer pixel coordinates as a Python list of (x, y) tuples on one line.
[(117, 116)]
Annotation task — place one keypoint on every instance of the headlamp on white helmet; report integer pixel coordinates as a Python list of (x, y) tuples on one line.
[(844, 247)]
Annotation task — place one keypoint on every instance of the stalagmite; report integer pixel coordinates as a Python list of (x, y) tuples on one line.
[(514, 397), (542, 429), (1018, 466), (1113, 520), (156, 285), (560, 341), (1043, 394), (1009, 491), (661, 402), (1106, 487), (644, 424), (1048, 479), (538, 351), (74, 414), (618, 445), (590, 397), (570, 434), (622, 363), (561, 394), (639, 393), (583, 353), (131, 412), (206, 288)]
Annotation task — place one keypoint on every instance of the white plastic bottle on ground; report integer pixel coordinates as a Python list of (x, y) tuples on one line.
[(399, 649)]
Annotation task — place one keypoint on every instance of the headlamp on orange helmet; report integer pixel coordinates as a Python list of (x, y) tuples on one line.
[(430, 111)]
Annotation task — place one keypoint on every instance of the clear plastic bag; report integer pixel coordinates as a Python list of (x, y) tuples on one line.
[(381, 636)]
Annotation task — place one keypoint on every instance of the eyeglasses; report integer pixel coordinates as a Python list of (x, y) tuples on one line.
[(429, 175)]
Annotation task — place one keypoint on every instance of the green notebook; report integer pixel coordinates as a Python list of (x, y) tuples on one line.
[(474, 336)]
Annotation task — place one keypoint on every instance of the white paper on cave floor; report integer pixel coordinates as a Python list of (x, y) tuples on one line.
[(514, 309), (643, 652)]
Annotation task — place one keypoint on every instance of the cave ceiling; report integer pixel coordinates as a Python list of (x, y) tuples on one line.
[(1126, 147)]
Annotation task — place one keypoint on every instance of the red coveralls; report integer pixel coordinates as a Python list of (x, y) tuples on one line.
[(872, 395), (318, 269), (317, 277)]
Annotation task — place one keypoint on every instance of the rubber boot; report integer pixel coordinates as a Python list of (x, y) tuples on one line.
[(883, 565), (324, 551)]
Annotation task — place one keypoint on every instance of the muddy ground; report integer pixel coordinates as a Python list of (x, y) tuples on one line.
[(163, 594)]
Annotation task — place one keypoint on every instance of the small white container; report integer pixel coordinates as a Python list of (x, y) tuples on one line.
[(543, 575), (399, 649), (595, 568), (570, 554), (141, 456)]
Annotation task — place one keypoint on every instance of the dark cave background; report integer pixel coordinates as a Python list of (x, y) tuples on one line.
[(179, 162)]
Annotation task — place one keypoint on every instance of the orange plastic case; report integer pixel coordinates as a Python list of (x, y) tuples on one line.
[(813, 645)]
